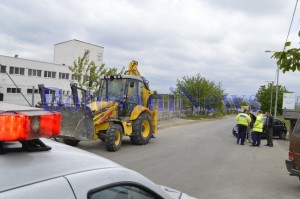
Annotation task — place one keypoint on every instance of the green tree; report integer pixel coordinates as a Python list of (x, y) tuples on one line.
[(288, 59), (263, 96), (85, 71), (208, 89)]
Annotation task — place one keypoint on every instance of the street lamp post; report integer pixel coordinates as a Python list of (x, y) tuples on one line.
[(271, 96), (277, 79)]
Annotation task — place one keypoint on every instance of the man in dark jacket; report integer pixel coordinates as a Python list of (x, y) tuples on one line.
[(269, 129)]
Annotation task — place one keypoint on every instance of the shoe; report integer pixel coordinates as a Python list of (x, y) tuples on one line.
[(267, 145), (270, 145), (242, 144)]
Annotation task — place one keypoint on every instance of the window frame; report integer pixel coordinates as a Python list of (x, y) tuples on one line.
[(49, 74), (2, 69), (12, 90), (99, 56), (119, 184), (13, 70), (62, 75), (34, 72)]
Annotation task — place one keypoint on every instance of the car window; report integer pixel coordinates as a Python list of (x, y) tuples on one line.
[(121, 192), (297, 128)]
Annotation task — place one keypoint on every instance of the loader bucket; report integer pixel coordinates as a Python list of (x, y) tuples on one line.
[(77, 124)]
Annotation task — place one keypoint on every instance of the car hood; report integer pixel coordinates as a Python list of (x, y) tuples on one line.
[(175, 194)]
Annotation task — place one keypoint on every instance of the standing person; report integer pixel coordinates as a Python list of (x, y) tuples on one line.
[(243, 121), (269, 129), (249, 127), (257, 129)]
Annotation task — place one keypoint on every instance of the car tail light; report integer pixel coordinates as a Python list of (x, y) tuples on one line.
[(291, 155), (28, 125)]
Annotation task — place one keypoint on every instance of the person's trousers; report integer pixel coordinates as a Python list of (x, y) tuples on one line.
[(256, 137), (241, 133), (269, 134), (249, 137)]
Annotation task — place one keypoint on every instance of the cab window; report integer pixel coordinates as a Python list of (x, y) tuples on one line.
[(122, 192), (134, 91)]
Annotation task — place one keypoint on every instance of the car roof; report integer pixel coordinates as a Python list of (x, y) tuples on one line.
[(22, 168)]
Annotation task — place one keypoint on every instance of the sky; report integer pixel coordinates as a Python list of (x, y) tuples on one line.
[(222, 40)]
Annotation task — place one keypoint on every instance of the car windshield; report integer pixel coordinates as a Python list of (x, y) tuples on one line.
[(112, 89)]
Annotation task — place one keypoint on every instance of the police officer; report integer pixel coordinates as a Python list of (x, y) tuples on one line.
[(269, 129), (257, 129), (243, 120)]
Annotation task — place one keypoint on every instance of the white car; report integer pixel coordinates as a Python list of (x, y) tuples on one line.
[(41, 168)]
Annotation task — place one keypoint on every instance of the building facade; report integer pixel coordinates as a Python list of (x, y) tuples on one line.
[(24, 75), (68, 51)]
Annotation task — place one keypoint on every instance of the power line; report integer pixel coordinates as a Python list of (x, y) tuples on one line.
[(290, 25)]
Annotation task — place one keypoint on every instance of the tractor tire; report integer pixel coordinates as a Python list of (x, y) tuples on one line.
[(113, 137), (142, 129), (71, 142)]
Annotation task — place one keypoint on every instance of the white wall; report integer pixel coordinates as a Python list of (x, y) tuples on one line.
[(67, 52)]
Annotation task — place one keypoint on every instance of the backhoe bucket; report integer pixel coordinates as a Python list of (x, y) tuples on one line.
[(76, 120), (77, 123)]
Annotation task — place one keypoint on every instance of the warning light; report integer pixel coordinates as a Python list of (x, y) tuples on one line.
[(18, 126)]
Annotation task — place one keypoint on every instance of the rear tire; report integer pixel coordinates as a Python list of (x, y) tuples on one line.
[(142, 129), (71, 142), (282, 135), (113, 137)]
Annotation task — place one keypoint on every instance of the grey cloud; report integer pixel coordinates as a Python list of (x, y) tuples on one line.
[(222, 40)]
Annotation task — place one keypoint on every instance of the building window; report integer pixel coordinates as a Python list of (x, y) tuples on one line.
[(29, 91), (16, 70), (13, 90), (63, 75), (3, 69), (49, 74), (74, 77), (35, 73), (99, 56)]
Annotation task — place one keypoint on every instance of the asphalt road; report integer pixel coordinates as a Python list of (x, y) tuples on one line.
[(203, 160)]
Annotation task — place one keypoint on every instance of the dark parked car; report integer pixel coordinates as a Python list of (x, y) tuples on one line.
[(279, 130)]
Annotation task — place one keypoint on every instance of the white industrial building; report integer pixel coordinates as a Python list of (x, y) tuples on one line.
[(27, 74)]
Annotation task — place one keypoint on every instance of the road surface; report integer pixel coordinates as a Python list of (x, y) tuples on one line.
[(203, 160)]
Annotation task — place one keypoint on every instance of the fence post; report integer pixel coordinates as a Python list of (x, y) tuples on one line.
[(32, 98)]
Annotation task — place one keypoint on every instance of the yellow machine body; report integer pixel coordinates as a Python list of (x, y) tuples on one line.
[(123, 110)]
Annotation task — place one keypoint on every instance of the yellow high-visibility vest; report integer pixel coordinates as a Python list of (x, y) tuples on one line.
[(243, 119)]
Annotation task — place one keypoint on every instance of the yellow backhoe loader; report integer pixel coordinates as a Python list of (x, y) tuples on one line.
[(123, 108)]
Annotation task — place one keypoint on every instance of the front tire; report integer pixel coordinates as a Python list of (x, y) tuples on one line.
[(113, 137), (142, 129)]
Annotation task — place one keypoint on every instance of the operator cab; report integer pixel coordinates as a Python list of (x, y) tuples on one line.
[(127, 90)]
